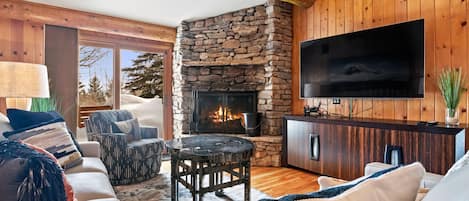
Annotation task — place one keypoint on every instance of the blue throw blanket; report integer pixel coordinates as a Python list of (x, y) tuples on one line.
[(329, 192), (43, 179)]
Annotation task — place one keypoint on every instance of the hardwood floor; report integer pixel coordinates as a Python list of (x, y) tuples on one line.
[(276, 182)]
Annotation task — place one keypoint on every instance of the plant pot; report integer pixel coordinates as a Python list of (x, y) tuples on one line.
[(452, 116)]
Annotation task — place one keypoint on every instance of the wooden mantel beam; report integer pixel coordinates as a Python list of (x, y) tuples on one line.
[(34, 12)]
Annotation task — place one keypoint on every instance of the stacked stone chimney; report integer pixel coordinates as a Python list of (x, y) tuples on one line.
[(246, 50)]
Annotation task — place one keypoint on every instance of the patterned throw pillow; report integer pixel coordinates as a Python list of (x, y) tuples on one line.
[(54, 137), (130, 127)]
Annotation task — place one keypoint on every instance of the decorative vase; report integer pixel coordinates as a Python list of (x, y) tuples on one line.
[(452, 116)]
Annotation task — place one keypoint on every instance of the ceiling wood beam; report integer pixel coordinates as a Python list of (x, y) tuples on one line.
[(34, 12)]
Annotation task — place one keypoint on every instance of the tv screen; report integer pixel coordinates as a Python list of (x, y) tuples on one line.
[(385, 62)]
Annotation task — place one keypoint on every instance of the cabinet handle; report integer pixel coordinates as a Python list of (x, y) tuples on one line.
[(314, 146)]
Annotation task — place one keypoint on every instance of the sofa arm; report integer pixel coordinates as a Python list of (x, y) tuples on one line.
[(327, 182), (149, 132), (428, 181), (90, 149)]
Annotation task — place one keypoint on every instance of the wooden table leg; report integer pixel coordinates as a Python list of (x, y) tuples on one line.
[(194, 180), (174, 184), (247, 184)]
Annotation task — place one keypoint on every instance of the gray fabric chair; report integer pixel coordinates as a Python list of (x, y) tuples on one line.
[(127, 162)]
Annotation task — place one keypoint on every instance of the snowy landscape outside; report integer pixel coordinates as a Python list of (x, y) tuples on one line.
[(141, 82)]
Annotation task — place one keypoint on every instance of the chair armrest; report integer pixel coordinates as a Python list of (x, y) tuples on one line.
[(111, 140), (327, 182), (428, 181), (149, 132), (90, 149)]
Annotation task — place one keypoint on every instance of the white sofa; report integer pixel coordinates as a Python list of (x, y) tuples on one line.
[(90, 179)]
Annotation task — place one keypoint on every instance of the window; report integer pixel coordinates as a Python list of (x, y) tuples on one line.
[(96, 77), (141, 85), (120, 72)]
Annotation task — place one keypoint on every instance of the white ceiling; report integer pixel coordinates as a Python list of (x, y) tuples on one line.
[(163, 12)]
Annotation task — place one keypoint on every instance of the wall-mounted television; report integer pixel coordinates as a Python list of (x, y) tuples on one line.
[(384, 62)]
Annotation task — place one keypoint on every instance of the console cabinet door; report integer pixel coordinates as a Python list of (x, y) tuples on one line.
[(304, 145), (342, 151)]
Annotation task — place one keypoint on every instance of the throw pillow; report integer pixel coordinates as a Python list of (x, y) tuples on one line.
[(388, 185), (453, 186), (21, 119), (130, 127), (52, 136)]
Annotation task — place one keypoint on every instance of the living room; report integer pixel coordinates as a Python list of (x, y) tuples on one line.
[(234, 100)]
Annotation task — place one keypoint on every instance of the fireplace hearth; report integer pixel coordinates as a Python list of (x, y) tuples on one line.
[(221, 111)]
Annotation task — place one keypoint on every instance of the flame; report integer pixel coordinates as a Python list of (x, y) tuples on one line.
[(223, 114)]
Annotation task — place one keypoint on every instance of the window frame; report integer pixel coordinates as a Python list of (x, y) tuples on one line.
[(118, 43)]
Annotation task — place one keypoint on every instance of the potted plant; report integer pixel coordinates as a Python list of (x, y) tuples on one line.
[(452, 86)]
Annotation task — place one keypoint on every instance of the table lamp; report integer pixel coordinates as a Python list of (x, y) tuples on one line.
[(19, 82)]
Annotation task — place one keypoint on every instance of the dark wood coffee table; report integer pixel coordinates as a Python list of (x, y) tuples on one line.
[(212, 156)]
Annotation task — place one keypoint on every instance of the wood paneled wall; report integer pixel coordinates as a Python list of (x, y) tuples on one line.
[(446, 46), (20, 41)]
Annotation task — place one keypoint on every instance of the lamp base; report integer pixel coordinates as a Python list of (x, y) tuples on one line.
[(19, 103)]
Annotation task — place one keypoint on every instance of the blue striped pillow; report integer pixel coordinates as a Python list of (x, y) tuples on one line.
[(53, 136)]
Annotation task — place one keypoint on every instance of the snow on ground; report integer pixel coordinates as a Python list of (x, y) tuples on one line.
[(149, 111)]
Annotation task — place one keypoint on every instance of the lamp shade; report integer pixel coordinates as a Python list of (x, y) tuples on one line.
[(23, 80)]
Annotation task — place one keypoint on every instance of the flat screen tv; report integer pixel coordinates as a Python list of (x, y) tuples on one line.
[(385, 62)]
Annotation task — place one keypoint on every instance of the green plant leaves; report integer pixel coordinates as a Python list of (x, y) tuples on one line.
[(452, 83)]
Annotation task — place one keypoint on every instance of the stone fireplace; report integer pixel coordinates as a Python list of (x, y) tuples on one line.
[(244, 51)]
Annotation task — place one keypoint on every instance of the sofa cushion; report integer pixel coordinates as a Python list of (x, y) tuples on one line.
[(91, 185), (89, 164), (454, 185), (460, 164), (52, 136)]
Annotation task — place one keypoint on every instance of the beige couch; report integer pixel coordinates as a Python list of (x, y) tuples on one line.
[(90, 179), (433, 187)]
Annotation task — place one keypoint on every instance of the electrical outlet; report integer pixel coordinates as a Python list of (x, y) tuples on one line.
[(336, 101)]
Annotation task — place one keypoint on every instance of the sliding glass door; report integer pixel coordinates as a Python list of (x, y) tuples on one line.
[(141, 85)]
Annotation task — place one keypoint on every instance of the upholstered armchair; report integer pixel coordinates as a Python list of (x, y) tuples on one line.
[(127, 162)]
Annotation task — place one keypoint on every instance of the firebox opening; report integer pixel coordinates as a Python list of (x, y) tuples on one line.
[(221, 112)]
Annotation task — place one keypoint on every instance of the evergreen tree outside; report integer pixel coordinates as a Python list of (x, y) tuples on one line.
[(145, 76), (95, 90)]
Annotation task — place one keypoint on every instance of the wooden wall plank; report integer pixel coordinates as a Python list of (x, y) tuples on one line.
[(297, 103), (459, 46), (442, 48), (428, 103), (413, 105)]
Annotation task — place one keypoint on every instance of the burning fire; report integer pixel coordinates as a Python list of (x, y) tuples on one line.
[(223, 114)]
